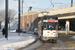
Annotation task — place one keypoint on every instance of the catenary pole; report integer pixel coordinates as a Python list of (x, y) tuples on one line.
[(22, 6), (19, 17), (6, 19), (22, 16), (71, 3)]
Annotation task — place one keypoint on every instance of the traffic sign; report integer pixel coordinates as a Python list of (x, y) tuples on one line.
[(66, 25)]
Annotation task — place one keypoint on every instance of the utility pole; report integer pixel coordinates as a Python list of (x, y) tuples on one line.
[(6, 19), (22, 6), (22, 14), (19, 17), (71, 3), (9, 23)]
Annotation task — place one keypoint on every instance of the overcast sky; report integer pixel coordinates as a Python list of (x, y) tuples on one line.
[(37, 5)]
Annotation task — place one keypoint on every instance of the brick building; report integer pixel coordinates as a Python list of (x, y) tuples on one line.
[(29, 21)]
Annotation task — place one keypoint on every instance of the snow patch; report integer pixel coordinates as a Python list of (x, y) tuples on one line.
[(14, 41), (16, 45)]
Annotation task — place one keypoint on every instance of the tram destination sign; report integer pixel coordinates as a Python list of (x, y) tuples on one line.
[(50, 20)]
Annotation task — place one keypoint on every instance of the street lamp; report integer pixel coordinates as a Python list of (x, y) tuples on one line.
[(30, 8)]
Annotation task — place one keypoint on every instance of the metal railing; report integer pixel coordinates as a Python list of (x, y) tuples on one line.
[(58, 7)]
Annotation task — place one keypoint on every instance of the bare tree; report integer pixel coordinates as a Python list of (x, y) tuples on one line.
[(2, 15), (11, 14)]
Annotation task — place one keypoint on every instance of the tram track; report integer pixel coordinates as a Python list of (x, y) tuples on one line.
[(63, 42), (45, 46)]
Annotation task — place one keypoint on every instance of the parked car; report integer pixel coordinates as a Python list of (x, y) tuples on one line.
[(36, 31), (21, 30)]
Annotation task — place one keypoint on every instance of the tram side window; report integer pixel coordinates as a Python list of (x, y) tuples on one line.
[(44, 26)]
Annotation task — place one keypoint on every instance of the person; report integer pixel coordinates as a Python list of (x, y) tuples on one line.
[(3, 31), (59, 28)]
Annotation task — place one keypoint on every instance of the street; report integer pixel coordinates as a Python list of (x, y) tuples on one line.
[(63, 43)]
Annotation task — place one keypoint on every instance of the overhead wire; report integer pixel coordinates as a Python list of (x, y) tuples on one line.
[(51, 4), (26, 4), (37, 2), (33, 7), (28, 7)]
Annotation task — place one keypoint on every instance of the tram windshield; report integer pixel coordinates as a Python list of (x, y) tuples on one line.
[(49, 26)]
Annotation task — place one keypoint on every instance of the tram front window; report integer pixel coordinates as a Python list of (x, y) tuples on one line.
[(49, 26)]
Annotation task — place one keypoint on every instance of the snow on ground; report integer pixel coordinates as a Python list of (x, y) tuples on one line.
[(14, 41), (12, 30)]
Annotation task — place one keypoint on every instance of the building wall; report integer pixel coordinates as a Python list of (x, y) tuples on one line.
[(24, 23), (31, 19)]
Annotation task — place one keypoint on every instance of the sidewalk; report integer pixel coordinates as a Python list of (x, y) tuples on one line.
[(14, 41)]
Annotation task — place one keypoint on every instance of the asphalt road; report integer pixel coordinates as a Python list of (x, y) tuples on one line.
[(63, 43)]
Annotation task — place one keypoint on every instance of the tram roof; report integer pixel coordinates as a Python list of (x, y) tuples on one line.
[(48, 16)]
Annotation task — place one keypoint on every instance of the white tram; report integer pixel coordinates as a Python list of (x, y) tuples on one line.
[(48, 28)]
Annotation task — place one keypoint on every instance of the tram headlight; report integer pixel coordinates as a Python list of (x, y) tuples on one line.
[(54, 34)]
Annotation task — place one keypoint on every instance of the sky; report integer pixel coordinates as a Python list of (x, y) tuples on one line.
[(36, 4)]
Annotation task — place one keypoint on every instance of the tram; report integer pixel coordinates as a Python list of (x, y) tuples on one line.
[(48, 28)]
